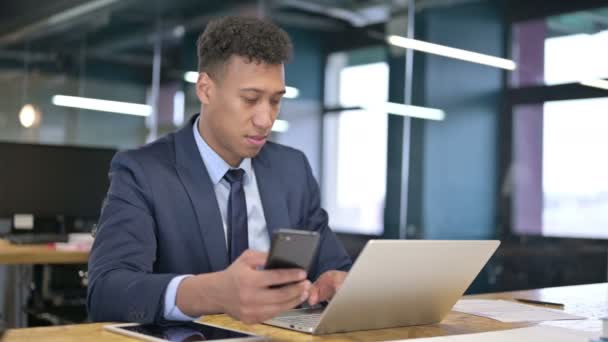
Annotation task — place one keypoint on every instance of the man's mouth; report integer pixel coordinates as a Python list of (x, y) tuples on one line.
[(257, 140)]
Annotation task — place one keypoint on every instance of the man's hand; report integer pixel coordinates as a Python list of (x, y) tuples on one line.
[(244, 292), (326, 286)]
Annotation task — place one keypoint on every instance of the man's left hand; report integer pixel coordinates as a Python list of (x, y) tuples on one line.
[(326, 286)]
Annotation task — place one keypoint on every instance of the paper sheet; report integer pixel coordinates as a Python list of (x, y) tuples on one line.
[(534, 334), (507, 311)]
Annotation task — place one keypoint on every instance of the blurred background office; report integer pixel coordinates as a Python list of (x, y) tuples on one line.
[(422, 119)]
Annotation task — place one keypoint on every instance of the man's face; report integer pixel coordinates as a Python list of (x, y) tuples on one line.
[(239, 107)]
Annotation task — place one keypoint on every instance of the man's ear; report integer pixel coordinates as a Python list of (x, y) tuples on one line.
[(204, 88)]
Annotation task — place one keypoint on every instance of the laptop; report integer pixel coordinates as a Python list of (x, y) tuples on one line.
[(396, 283)]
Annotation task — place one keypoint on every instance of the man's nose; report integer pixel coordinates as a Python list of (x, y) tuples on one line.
[(263, 117)]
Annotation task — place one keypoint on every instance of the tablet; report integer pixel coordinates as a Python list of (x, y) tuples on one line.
[(182, 332)]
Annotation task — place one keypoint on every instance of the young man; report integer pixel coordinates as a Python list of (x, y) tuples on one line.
[(186, 224)]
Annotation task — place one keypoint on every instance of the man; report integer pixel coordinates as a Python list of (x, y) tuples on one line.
[(185, 228)]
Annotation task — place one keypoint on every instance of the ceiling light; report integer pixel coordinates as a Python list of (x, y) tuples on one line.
[(447, 51), (290, 92), (599, 83), (406, 110), (178, 31), (102, 105), (280, 126), (28, 116), (191, 76)]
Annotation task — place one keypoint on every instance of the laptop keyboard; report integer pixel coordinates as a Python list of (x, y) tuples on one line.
[(310, 320)]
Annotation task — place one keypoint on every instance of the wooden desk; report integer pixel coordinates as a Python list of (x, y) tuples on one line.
[(38, 254), (21, 258), (584, 300)]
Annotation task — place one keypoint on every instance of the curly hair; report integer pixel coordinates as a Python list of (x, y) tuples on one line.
[(250, 37)]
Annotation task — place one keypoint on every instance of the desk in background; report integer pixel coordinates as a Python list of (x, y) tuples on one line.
[(584, 300), (20, 259)]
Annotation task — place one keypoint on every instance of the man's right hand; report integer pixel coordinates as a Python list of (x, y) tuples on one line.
[(243, 291)]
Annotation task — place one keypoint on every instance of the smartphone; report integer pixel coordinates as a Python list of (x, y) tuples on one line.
[(187, 331), (291, 248)]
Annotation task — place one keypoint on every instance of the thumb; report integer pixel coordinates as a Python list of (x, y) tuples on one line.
[(313, 297)]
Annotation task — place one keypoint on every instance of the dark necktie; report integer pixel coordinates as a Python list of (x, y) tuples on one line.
[(237, 215)]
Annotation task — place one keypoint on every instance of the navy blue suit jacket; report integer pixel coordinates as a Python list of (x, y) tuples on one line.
[(161, 219)]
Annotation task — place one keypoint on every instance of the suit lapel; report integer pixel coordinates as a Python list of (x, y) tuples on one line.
[(196, 181), (272, 193)]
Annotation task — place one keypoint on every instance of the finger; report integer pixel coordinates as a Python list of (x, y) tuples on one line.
[(253, 259), (281, 276), (269, 311), (284, 294), (313, 298), (326, 291)]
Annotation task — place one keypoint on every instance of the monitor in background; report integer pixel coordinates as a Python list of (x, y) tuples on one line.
[(49, 181)]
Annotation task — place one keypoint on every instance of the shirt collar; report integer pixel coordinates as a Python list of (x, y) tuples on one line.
[(216, 166)]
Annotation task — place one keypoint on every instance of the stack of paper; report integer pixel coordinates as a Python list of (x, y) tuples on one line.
[(534, 334), (506, 311)]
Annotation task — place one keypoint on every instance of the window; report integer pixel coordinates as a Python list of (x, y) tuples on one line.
[(557, 174), (566, 48), (589, 51), (354, 149), (560, 168)]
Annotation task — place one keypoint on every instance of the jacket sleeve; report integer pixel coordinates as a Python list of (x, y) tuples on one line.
[(331, 254), (122, 285)]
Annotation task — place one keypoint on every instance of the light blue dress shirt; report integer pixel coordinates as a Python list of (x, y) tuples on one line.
[(256, 223)]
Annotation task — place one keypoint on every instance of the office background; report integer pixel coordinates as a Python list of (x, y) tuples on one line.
[(516, 155)]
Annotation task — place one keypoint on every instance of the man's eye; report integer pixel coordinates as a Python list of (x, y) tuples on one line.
[(250, 101)]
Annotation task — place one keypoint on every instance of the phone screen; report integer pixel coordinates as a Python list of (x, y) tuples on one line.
[(189, 331)]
